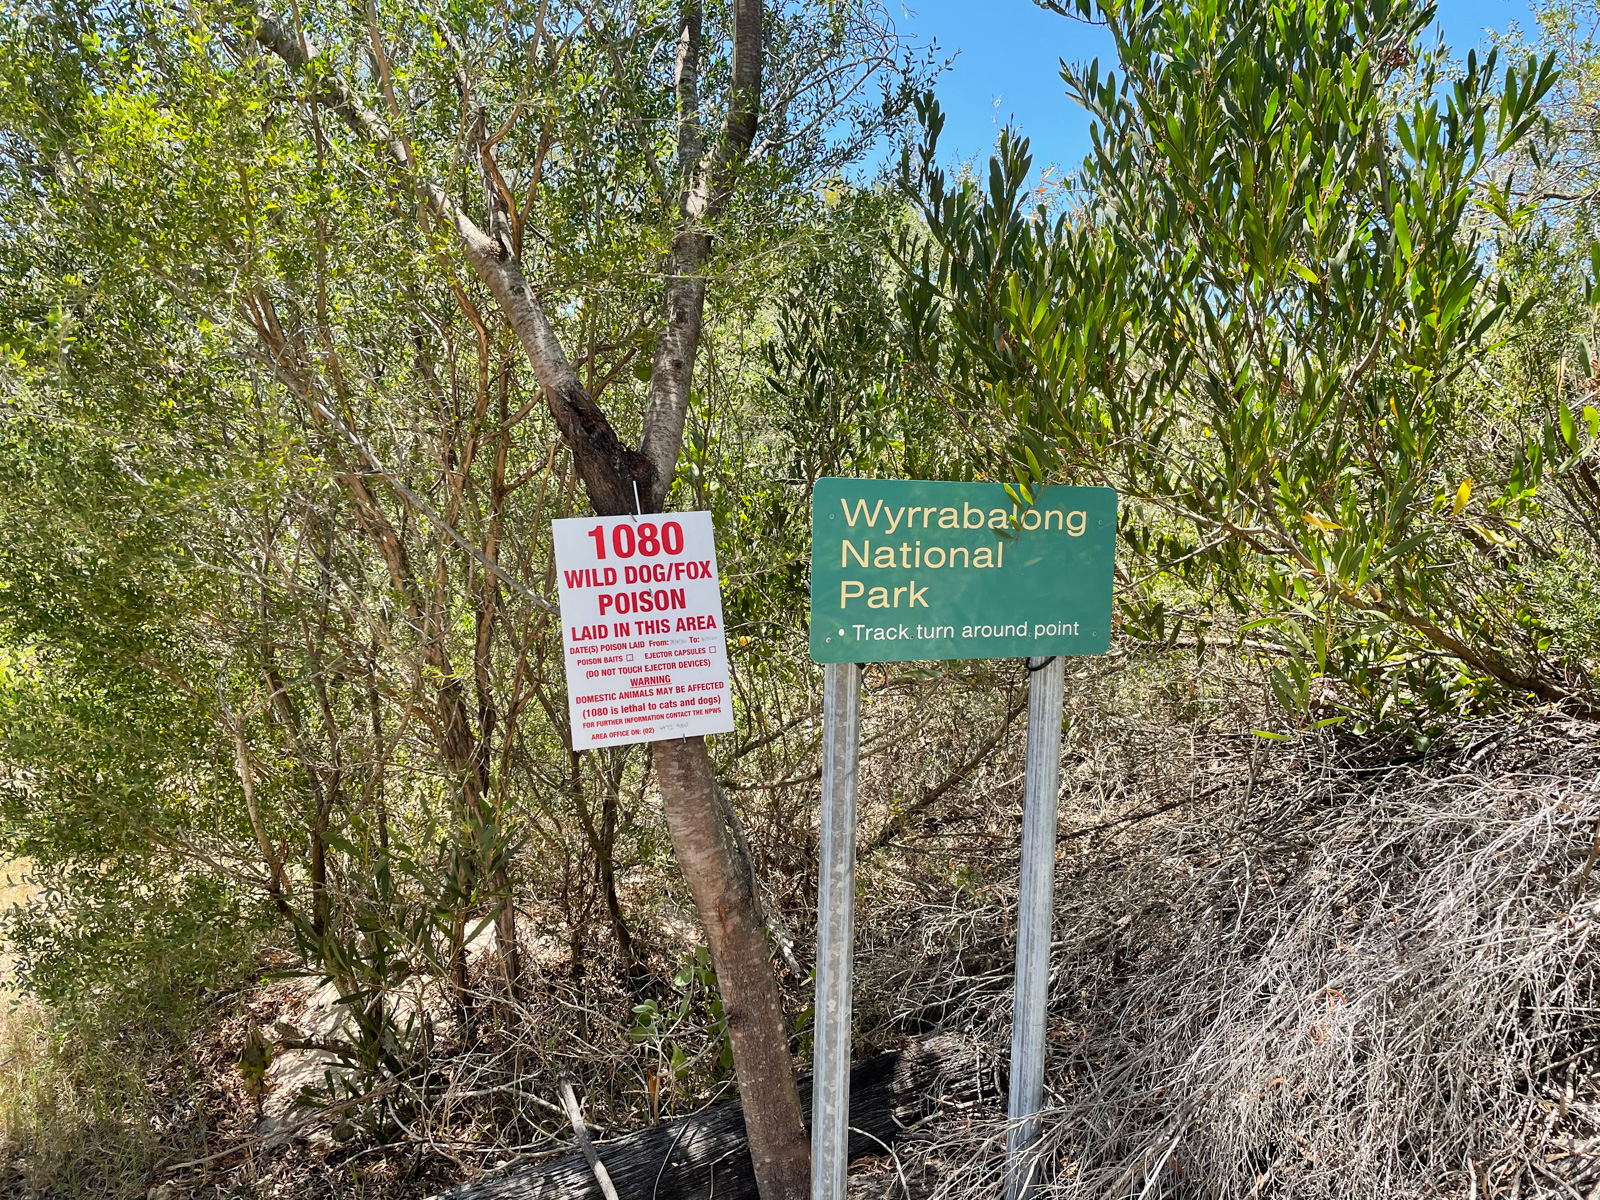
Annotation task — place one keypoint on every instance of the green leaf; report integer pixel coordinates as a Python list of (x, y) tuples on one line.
[(1305, 272)]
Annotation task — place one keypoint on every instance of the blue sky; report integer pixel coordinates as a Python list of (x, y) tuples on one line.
[(1007, 68)]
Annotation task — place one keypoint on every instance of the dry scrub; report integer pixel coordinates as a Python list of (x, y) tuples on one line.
[(1283, 968), (1326, 976)]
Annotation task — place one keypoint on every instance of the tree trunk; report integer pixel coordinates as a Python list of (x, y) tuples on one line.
[(724, 894)]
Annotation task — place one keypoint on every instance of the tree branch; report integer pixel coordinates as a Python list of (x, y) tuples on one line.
[(611, 472), (707, 183)]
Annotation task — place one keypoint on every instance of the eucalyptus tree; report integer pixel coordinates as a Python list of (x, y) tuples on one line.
[(1261, 313), (375, 291)]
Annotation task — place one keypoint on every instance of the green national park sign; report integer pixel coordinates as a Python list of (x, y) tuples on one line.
[(919, 569)]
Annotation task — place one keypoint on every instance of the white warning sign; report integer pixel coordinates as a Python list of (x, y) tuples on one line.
[(641, 624)]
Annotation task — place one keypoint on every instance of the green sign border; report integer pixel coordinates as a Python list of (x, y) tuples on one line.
[(1051, 581)]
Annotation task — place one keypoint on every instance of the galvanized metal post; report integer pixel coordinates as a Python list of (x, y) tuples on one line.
[(1046, 682), (836, 926)]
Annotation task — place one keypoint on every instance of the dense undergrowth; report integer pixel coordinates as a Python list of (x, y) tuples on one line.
[(1337, 968), (1332, 973)]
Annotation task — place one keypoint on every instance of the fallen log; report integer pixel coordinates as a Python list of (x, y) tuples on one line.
[(704, 1156)]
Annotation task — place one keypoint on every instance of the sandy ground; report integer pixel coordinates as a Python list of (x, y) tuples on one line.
[(15, 888)]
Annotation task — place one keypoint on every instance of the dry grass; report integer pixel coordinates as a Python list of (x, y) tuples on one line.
[(1324, 977), (64, 1118), (1295, 968)]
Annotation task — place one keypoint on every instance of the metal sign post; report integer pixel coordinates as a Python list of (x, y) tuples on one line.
[(836, 925), (905, 570), (1035, 892)]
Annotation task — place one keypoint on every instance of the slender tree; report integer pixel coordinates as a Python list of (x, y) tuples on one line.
[(618, 479)]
